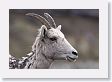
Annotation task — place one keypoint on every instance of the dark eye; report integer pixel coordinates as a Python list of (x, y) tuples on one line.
[(53, 38)]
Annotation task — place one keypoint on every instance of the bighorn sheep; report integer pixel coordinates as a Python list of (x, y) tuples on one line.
[(50, 45)]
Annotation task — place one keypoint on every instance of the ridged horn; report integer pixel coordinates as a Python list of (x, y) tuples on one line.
[(50, 20), (41, 19)]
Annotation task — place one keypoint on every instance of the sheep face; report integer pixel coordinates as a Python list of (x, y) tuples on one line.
[(55, 44)]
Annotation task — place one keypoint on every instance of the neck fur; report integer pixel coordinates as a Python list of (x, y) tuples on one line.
[(38, 60)]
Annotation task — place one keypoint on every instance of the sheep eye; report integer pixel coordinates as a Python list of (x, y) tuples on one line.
[(53, 39)]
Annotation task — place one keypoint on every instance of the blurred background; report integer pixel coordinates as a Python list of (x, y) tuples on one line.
[(80, 27)]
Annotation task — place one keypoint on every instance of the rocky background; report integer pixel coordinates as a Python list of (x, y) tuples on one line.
[(80, 26)]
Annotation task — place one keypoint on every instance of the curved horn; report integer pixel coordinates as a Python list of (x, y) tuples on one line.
[(42, 19), (50, 19)]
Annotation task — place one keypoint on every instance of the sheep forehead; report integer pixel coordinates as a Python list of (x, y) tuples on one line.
[(55, 32)]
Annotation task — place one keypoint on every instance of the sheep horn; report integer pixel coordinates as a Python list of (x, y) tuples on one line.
[(50, 19), (42, 19)]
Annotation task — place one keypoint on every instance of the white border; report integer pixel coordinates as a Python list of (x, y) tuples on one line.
[(102, 72)]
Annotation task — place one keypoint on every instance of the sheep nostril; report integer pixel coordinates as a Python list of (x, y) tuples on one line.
[(74, 53)]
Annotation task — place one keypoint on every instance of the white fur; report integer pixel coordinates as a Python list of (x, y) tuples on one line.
[(61, 48), (46, 51)]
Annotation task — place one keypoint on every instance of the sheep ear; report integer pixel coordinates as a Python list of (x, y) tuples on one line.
[(43, 30), (59, 27)]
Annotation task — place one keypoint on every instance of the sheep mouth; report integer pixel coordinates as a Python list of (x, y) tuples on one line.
[(71, 59)]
